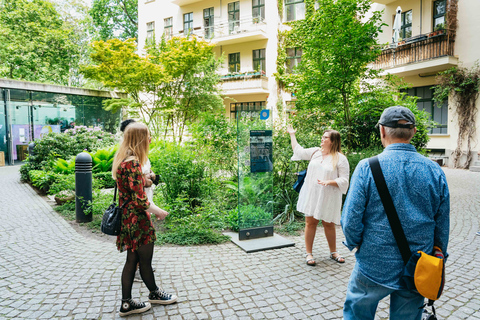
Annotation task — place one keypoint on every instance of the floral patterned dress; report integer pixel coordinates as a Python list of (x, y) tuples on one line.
[(137, 228)]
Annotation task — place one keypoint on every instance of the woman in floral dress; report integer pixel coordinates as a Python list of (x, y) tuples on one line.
[(137, 235)]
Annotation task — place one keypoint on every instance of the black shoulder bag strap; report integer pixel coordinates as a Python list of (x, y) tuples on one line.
[(390, 209)]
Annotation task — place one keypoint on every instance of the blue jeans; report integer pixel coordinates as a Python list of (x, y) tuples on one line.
[(363, 296)]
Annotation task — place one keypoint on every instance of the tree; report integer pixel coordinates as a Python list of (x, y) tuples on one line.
[(35, 44), (338, 43), (115, 19), (169, 88)]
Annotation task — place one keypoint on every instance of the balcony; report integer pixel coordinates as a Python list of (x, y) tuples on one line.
[(235, 84), (424, 54), (231, 32)]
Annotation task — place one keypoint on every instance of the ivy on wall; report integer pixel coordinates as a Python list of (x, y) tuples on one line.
[(463, 86)]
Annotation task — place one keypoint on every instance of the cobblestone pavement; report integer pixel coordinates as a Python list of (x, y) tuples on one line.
[(48, 270)]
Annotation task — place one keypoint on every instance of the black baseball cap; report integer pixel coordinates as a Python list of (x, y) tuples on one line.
[(392, 115)]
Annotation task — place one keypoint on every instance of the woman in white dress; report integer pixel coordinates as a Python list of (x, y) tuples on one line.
[(321, 195)]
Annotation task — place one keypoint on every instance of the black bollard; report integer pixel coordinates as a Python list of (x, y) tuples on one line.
[(31, 148), (83, 187)]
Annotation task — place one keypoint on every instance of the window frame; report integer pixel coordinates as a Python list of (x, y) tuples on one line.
[(261, 59), (260, 6), (168, 28), (297, 58), (234, 60), (404, 26), (441, 127), (209, 29), (187, 24), (232, 24), (150, 31), (293, 4), (250, 106), (436, 16)]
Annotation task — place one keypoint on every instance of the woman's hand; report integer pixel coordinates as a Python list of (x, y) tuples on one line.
[(290, 130), (327, 182), (160, 214)]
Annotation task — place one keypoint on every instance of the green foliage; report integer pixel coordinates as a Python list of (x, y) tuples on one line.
[(215, 138), (184, 226), (180, 171), (35, 44), (251, 216), (42, 179), (64, 166), (294, 228), (103, 180), (53, 146), (115, 19), (62, 182), (338, 42), (463, 85), (178, 78), (103, 159)]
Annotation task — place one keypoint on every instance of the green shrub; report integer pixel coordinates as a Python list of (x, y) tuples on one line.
[(180, 171), (103, 159), (64, 167), (62, 182), (103, 180), (42, 179)]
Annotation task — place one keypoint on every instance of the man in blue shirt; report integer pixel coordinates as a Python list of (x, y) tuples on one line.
[(420, 194)]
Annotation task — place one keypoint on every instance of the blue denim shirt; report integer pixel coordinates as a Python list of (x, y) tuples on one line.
[(420, 194)]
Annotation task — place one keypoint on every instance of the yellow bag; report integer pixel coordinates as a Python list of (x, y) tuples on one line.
[(426, 274)]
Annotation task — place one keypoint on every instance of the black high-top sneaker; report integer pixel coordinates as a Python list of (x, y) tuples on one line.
[(130, 306), (161, 297)]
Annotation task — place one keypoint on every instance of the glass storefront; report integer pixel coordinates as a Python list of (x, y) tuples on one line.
[(25, 115)]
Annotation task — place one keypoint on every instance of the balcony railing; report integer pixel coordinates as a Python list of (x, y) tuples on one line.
[(229, 28), (421, 48)]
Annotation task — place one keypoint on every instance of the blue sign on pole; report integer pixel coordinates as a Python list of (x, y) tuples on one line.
[(264, 114)]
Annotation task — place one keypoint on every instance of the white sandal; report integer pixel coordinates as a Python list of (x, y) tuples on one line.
[(337, 258), (309, 261)]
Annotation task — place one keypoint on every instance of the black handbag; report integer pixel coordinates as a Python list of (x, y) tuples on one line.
[(112, 218), (297, 186), (300, 180)]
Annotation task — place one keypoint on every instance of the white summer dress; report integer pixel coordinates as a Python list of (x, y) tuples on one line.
[(316, 200), (148, 190)]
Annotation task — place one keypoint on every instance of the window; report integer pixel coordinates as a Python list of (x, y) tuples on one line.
[(294, 10), (406, 29), (234, 62), (168, 27), (259, 60), (188, 23), (437, 113), (256, 106), (294, 57), (439, 9), (258, 10), (208, 20), (150, 31), (233, 17)]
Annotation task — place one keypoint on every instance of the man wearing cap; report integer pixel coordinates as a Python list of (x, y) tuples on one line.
[(419, 191)]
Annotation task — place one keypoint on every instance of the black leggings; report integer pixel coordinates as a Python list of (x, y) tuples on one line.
[(142, 255)]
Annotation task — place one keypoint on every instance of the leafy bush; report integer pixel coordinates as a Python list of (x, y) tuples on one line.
[(103, 180), (64, 167), (180, 171), (65, 145), (62, 182), (186, 227), (103, 159), (42, 179)]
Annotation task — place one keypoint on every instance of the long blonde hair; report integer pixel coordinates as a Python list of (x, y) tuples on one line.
[(336, 146), (134, 146)]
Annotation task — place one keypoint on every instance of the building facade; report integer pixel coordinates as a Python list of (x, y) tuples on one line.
[(427, 47), (246, 33), (28, 110)]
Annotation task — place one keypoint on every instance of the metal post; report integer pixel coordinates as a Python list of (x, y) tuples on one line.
[(31, 148), (83, 187)]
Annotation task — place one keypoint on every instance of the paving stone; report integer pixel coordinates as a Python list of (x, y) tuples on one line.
[(65, 275)]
